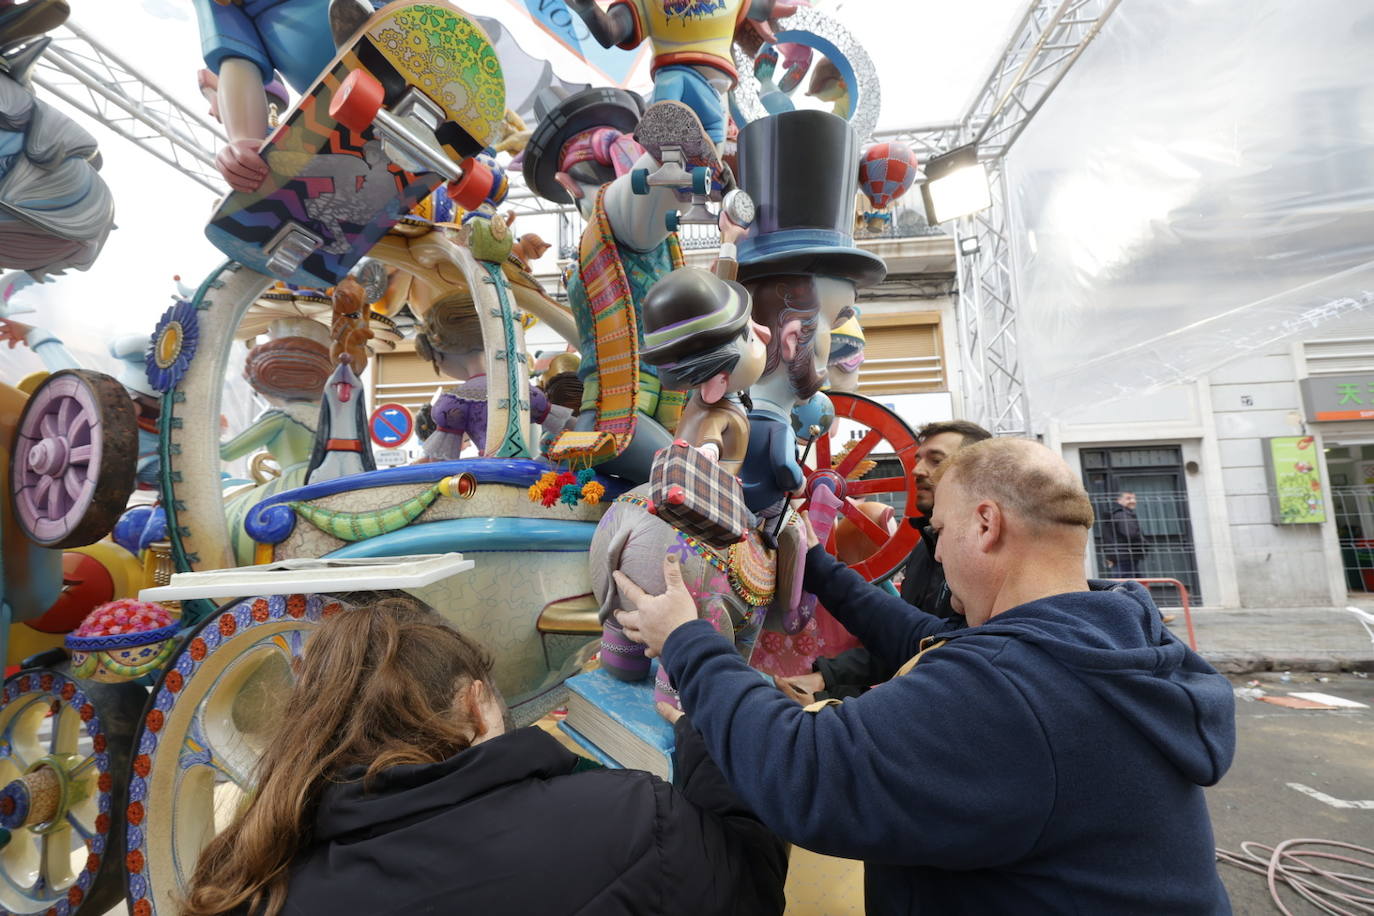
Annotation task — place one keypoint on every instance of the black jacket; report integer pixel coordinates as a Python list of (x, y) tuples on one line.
[(1121, 534), (519, 825), (852, 672)]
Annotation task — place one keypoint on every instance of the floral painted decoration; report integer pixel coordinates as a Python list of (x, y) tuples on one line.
[(173, 346)]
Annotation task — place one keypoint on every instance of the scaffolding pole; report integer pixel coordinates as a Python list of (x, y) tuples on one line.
[(82, 72)]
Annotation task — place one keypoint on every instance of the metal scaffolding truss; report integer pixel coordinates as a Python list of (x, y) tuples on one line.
[(80, 71), (1047, 41), (993, 387)]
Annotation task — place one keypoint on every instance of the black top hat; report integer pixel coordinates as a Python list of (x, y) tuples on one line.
[(563, 116), (802, 170), (688, 311)]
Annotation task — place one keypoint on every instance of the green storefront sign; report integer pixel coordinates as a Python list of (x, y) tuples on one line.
[(1295, 484), (1338, 397)]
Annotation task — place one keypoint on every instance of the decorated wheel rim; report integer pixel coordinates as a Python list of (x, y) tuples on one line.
[(64, 858), (74, 459), (208, 721), (834, 468)]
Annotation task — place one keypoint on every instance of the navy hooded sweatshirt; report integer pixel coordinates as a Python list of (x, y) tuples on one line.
[(1049, 761)]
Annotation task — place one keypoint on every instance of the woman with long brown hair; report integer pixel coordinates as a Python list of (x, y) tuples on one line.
[(394, 784)]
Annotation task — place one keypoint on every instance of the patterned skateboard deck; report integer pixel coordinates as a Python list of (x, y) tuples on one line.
[(673, 124), (337, 185)]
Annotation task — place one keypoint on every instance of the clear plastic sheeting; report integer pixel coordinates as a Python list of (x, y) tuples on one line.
[(1200, 188)]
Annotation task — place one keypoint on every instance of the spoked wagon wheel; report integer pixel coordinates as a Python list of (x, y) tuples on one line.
[(75, 456), (64, 766), (208, 722), (828, 467)]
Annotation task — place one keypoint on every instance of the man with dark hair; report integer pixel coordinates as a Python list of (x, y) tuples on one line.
[(1122, 538), (851, 673)]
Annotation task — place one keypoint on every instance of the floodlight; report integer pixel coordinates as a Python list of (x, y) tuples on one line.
[(956, 185), (968, 245)]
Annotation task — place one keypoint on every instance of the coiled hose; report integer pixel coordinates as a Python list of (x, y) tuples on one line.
[(1348, 892)]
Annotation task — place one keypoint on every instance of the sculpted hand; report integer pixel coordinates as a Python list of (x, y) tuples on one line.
[(730, 231), (241, 165), (13, 331), (657, 615)]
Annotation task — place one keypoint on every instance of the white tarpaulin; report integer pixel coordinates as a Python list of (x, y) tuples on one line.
[(1200, 187)]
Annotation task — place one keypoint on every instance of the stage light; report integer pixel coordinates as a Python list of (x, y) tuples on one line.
[(956, 185), (968, 245)]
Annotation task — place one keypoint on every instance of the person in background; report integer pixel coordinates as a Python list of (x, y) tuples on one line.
[(395, 784), (1123, 538), (1045, 755), (851, 673)]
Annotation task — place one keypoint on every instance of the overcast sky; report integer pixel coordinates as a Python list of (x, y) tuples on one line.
[(931, 57)]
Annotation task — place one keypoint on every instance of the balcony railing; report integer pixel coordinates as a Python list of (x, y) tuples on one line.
[(904, 221)]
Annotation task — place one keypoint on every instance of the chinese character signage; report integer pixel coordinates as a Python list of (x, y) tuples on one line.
[(1295, 483), (1338, 397)]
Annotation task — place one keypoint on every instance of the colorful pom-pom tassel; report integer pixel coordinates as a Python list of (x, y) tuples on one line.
[(592, 492), (569, 495)]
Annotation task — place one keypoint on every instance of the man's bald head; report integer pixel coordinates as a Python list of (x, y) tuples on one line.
[(1024, 478), (1013, 522)]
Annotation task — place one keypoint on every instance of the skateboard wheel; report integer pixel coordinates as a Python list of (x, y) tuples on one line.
[(639, 181), (670, 220), (474, 187), (701, 180), (357, 101)]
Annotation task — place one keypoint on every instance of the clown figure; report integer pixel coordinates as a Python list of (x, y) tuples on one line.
[(698, 332)]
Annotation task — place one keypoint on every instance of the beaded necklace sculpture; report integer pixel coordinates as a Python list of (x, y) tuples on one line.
[(747, 564)]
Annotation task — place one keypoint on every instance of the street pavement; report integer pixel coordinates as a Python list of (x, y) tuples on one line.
[(1329, 753), (1242, 640)]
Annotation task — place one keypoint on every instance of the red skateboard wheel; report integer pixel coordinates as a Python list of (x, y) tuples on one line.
[(474, 187), (357, 101)]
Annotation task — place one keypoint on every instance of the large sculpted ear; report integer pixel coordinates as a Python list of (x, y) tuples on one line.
[(715, 387), (789, 337), (569, 184)]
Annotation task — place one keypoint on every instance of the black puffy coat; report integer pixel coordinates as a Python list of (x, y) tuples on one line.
[(519, 825)]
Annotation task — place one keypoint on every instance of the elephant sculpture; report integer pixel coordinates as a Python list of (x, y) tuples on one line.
[(738, 589)]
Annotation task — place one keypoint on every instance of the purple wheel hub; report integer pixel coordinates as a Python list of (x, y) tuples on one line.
[(75, 453), (60, 441)]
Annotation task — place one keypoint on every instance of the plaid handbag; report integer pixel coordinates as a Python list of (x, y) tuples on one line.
[(697, 497)]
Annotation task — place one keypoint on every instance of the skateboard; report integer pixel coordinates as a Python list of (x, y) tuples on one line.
[(672, 133), (338, 178)]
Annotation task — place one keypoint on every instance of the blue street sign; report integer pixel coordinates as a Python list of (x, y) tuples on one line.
[(391, 425)]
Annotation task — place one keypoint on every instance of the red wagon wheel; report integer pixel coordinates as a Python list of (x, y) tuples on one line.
[(880, 425)]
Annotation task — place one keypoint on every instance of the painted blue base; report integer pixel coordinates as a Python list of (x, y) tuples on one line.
[(476, 535), (272, 520)]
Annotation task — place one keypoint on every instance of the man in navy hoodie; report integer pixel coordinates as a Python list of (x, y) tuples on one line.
[(1048, 756)]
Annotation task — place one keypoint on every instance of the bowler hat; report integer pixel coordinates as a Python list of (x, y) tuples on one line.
[(563, 116), (802, 170), (689, 311)]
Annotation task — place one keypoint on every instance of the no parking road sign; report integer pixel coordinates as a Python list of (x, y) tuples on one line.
[(391, 425)]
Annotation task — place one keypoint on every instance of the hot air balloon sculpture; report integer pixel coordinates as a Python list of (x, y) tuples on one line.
[(887, 171)]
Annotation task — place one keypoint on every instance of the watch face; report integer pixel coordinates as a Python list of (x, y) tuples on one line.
[(739, 206)]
